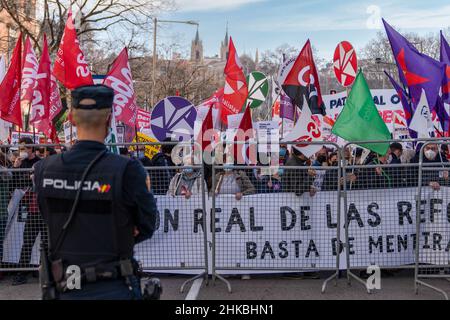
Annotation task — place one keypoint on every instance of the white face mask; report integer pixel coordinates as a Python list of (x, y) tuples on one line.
[(23, 155), (430, 154)]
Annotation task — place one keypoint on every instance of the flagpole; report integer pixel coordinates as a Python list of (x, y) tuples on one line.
[(282, 119), (137, 140), (28, 119), (71, 133)]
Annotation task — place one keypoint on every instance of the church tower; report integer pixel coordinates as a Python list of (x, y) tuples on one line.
[(224, 47), (197, 49)]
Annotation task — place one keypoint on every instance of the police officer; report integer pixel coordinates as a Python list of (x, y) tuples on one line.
[(97, 206)]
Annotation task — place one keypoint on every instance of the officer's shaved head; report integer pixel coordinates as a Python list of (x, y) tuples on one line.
[(90, 119), (91, 109)]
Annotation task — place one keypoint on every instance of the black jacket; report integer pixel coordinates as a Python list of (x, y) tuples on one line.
[(115, 200), (296, 180), (160, 178)]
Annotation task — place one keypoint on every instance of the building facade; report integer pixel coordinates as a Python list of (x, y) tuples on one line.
[(9, 30)]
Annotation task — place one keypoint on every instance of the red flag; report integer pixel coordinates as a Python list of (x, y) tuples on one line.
[(71, 68), (29, 72), (10, 88), (246, 123), (303, 81), (119, 78), (207, 127), (245, 132), (235, 90), (40, 105), (55, 99), (214, 100)]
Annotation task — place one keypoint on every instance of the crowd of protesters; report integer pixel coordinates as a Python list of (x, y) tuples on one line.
[(299, 174), (296, 173)]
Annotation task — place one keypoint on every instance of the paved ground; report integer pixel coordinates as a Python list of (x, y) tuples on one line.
[(266, 287)]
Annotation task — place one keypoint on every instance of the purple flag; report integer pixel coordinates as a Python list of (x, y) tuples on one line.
[(443, 116), (403, 98), (417, 71), (287, 109), (445, 58)]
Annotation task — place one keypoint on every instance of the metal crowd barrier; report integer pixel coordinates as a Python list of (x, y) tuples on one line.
[(432, 254), (372, 215), (272, 225), (180, 241), (21, 224)]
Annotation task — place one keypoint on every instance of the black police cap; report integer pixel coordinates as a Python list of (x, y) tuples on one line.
[(101, 94)]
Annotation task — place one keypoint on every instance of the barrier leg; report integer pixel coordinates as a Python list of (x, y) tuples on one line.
[(227, 283), (203, 274), (325, 283), (358, 279), (433, 288)]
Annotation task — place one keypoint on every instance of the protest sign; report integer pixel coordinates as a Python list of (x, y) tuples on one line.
[(150, 150), (268, 134), (16, 135), (70, 132)]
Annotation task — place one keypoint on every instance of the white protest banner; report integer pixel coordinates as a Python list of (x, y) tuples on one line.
[(282, 231), (386, 101), (16, 135), (305, 130), (383, 231), (70, 132), (178, 238), (435, 225), (270, 231)]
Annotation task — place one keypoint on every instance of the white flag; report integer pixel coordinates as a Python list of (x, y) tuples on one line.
[(421, 121), (2, 68), (306, 129)]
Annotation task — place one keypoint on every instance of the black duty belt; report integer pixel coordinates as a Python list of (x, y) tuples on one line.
[(101, 272)]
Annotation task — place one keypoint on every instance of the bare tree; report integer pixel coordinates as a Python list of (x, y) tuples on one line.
[(92, 16), (271, 60), (377, 56)]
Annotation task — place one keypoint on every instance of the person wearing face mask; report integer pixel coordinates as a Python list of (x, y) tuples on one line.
[(330, 181), (188, 182), (433, 179), (385, 175), (97, 206), (268, 180), (25, 160), (320, 161), (396, 151), (233, 181), (284, 154), (298, 181), (140, 155)]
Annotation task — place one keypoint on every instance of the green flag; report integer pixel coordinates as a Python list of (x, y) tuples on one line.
[(360, 120)]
